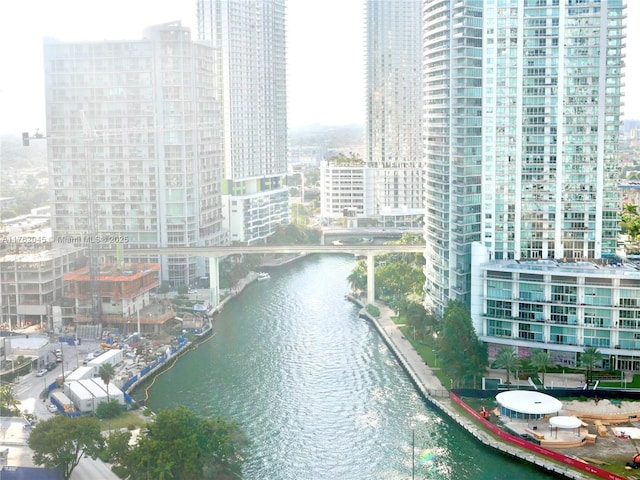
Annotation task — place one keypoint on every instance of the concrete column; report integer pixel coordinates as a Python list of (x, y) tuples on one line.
[(371, 281), (214, 281)]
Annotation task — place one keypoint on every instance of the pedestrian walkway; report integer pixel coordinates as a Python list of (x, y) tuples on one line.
[(438, 395), (402, 345)]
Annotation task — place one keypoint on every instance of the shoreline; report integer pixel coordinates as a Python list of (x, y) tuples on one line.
[(184, 349), (435, 394)]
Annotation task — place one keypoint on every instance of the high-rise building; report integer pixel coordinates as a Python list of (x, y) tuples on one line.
[(395, 147), (523, 105), (453, 136), (249, 38), (134, 145)]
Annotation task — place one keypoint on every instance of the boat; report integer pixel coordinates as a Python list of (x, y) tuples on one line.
[(263, 276)]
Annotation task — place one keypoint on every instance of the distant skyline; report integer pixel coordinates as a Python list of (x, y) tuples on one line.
[(325, 53)]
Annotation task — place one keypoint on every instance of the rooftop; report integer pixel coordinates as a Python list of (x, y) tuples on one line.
[(44, 255), (115, 273), (605, 267)]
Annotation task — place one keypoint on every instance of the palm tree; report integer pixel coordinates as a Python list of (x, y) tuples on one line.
[(541, 360), (589, 358), (507, 359), (106, 373), (358, 277)]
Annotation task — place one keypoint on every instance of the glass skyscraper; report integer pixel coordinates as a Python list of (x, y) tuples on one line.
[(250, 42), (453, 136), (395, 149), (523, 105), (135, 146)]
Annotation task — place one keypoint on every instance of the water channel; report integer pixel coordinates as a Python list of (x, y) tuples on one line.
[(317, 391)]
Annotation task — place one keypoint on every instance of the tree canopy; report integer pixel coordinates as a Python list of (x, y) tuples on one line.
[(589, 358), (181, 445), (399, 277), (541, 360), (8, 402), (464, 357), (630, 220), (507, 359), (60, 442), (106, 372)]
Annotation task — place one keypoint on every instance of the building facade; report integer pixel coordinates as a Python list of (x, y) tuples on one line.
[(31, 282), (346, 190), (250, 41), (523, 111), (394, 110), (125, 301), (135, 145), (559, 306), (453, 134)]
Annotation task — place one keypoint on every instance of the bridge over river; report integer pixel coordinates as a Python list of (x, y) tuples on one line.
[(214, 253)]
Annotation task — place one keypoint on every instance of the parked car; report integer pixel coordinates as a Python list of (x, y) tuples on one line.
[(51, 365), (52, 408), (58, 359), (42, 373)]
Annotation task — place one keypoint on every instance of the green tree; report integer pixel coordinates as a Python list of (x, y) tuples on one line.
[(8, 402), (181, 445), (507, 359), (458, 345), (416, 259), (60, 442), (118, 446), (110, 409), (589, 358), (106, 373), (630, 220), (358, 277), (416, 317), (475, 364), (343, 160), (398, 279), (541, 360)]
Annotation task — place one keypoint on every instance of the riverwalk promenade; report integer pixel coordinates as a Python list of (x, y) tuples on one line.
[(435, 393)]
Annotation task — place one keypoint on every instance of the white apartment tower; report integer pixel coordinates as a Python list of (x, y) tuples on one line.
[(134, 145), (249, 37), (394, 134), (523, 101)]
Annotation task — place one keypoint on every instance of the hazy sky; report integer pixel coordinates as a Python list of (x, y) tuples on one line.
[(325, 53)]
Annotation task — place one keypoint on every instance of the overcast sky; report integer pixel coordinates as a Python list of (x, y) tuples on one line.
[(325, 53)]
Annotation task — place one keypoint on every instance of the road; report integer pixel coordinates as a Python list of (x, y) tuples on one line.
[(28, 390)]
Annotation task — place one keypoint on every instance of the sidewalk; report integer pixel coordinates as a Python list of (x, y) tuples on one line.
[(394, 335), (435, 393)]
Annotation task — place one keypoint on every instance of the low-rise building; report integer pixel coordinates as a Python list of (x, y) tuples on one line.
[(31, 281), (35, 347), (559, 306), (123, 297), (346, 190), (88, 393)]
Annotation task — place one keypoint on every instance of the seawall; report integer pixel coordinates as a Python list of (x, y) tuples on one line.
[(435, 393)]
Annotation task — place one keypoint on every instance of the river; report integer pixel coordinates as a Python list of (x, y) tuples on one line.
[(317, 391)]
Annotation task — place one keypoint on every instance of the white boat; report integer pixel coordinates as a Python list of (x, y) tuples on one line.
[(263, 276)]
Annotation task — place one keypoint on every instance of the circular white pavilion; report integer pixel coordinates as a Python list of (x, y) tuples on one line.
[(527, 404)]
